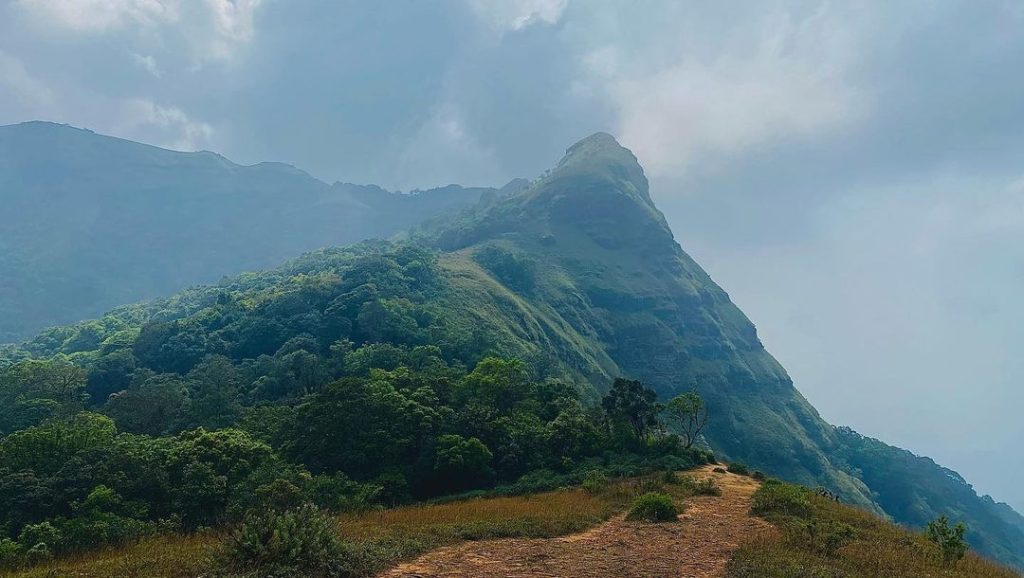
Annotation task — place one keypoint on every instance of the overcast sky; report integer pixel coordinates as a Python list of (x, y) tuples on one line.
[(851, 172)]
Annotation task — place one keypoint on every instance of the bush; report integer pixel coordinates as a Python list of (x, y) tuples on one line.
[(719, 470), (338, 492), (10, 553), (653, 507), (301, 539), (759, 475), (705, 487), (781, 499), (280, 494), (100, 528), (739, 469), (42, 533), (38, 554), (828, 536), (595, 481), (949, 539)]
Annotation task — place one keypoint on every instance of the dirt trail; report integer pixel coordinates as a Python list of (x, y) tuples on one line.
[(699, 546)]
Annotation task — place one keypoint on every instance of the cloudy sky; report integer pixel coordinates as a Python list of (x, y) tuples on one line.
[(851, 172)]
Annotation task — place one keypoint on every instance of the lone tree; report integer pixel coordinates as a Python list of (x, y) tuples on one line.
[(632, 403), (691, 413), (949, 539)]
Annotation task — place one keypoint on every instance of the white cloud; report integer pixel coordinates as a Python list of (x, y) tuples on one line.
[(22, 95), (147, 63), (232, 26), (100, 15), (682, 101), (166, 126), (442, 141), (508, 15), (212, 29)]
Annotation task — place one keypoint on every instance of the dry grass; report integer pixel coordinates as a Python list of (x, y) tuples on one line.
[(390, 536), (170, 556), (546, 514), (877, 549), (384, 537)]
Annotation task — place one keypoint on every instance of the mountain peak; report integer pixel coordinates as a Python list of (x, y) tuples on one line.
[(597, 140), (597, 188), (599, 148), (599, 156)]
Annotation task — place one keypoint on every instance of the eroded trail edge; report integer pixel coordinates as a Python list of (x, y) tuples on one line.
[(699, 546)]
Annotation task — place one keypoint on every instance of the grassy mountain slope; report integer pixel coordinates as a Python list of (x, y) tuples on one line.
[(91, 222), (606, 282), (579, 275), (815, 536)]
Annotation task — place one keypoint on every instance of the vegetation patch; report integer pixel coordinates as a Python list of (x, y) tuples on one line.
[(817, 537), (595, 481), (703, 487), (303, 540), (653, 507), (949, 539), (739, 469), (299, 540), (775, 499)]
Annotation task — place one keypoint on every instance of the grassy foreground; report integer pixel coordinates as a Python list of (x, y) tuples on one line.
[(814, 537), (384, 537)]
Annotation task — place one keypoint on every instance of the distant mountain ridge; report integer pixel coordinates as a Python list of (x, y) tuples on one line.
[(91, 222)]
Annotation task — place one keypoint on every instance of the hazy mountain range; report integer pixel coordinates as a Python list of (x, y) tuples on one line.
[(90, 222)]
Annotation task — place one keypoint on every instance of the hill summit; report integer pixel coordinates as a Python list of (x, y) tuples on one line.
[(601, 156)]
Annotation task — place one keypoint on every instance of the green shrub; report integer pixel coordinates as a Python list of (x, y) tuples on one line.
[(42, 533), (828, 536), (653, 507), (280, 494), (302, 539), (11, 554), (100, 528), (337, 492), (38, 554), (759, 475), (775, 498), (595, 481), (705, 487), (739, 469), (950, 540)]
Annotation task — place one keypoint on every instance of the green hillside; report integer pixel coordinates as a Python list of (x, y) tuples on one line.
[(91, 222), (577, 274)]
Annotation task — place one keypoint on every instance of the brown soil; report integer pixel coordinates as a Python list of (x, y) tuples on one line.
[(699, 546)]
